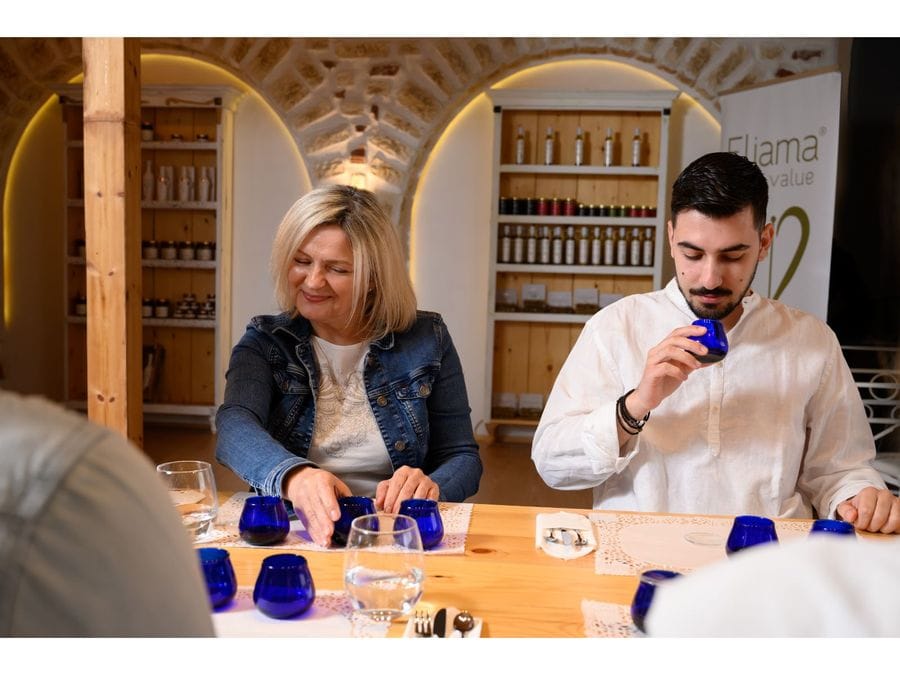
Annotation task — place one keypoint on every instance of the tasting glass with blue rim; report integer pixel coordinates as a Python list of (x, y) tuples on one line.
[(713, 339), (828, 526), (264, 521), (351, 507), (640, 605), (221, 584), (284, 587), (428, 517), (747, 531)]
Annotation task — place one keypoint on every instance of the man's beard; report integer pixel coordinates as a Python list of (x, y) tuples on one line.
[(718, 312)]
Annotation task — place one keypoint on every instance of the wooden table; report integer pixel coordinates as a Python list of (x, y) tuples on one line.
[(501, 577)]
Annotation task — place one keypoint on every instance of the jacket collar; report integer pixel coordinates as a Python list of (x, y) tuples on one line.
[(300, 328)]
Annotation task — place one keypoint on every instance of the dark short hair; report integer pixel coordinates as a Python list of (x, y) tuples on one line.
[(719, 185)]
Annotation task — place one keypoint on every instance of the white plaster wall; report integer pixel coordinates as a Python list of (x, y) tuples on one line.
[(451, 208)]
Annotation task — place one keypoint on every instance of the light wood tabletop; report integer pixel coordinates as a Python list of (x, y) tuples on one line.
[(517, 589)]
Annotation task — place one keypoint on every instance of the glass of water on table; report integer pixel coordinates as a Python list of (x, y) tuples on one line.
[(192, 489), (384, 569)]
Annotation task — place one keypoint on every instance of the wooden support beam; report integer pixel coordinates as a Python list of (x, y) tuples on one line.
[(112, 206)]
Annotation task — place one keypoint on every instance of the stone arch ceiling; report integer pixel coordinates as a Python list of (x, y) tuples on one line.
[(393, 97)]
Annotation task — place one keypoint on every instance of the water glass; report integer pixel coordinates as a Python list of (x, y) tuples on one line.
[(428, 517), (750, 531), (838, 527), (284, 586), (644, 594), (264, 521), (713, 339), (351, 508), (192, 488), (384, 569), (221, 584)]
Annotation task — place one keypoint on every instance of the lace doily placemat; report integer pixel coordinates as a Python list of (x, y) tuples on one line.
[(455, 516), (606, 619), (331, 615), (629, 543)]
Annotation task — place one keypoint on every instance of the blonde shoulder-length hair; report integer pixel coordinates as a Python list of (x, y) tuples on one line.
[(383, 297)]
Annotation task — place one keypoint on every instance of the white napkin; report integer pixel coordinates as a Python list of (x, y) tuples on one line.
[(564, 525)]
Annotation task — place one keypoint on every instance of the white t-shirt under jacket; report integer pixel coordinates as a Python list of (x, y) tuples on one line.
[(777, 428)]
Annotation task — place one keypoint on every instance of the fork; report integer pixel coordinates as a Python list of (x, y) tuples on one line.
[(422, 624)]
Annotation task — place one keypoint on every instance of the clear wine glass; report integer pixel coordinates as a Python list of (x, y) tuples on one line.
[(192, 488), (384, 568)]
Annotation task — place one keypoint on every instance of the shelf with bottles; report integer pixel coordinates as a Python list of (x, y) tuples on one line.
[(615, 250)]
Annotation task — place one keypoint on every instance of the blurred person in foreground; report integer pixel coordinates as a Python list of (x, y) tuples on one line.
[(90, 543), (350, 390), (819, 586), (776, 429)]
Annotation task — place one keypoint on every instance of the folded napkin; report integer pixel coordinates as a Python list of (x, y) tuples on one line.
[(564, 535), (410, 631)]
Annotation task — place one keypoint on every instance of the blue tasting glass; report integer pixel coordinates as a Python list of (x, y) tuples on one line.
[(750, 531), (351, 507), (838, 527), (284, 586), (428, 517), (713, 339), (644, 594), (264, 521), (221, 584)]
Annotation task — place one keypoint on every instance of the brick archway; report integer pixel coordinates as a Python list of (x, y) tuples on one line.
[(391, 99)]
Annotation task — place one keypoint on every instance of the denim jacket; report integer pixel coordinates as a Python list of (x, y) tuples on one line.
[(414, 383)]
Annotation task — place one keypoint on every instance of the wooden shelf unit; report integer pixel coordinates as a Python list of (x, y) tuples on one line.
[(190, 382), (526, 349)]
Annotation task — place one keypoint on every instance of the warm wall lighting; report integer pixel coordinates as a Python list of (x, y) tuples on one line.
[(358, 180)]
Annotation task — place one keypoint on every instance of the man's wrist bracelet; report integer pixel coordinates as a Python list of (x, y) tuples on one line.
[(626, 417)]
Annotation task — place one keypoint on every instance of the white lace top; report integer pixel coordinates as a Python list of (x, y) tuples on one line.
[(346, 440)]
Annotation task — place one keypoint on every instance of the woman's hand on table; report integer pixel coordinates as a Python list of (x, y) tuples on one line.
[(314, 494), (406, 483)]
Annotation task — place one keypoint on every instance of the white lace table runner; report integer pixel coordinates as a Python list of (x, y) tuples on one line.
[(629, 543), (331, 615), (606, 619), (455, 516)]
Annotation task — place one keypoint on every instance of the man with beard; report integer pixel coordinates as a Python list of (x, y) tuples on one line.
[(777, 428)]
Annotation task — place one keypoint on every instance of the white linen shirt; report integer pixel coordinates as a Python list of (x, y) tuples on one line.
[(776, 429)]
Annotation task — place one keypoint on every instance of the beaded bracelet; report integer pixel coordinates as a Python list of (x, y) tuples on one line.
[(625, 416)]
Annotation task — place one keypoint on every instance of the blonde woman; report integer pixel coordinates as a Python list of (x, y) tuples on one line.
[(350, 390)]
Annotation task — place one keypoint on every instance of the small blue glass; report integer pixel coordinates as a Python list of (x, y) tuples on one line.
[(264, 521), (428, 517), (750, 531), (838, 527), (221, 584), (284, 586), (713, 339), (644, 594), (351, 507)]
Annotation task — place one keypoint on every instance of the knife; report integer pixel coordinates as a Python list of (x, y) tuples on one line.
[(440, 623)]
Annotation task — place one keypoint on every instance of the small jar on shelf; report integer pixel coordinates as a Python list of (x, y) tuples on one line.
[(168, 251), (186, 250), (147, 308), (79, 305), (146, 131), (206, 250), (150, 250), (161, 308)]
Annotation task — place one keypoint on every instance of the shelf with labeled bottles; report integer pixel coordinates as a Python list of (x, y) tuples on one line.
[(577, 222), (185, 179)]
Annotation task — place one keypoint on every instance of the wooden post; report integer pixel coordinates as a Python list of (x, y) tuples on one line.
[(112, 206)]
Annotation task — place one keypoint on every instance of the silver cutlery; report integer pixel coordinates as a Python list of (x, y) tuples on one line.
[(422, 624)]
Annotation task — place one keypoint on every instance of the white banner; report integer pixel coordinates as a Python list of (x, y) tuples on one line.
[(790, 129)]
